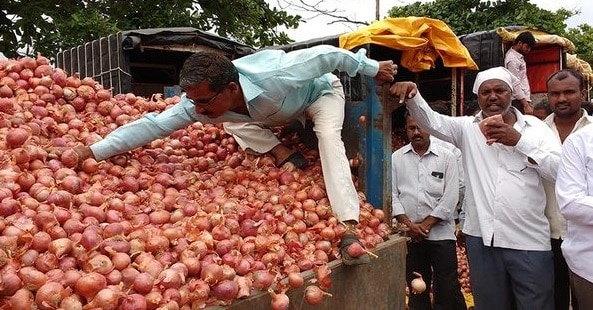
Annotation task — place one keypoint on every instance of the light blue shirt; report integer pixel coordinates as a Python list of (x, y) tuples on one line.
[(278, 87)]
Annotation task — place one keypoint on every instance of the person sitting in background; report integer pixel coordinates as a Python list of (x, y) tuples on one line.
[(425, 189), (505, 155), (267, 88), (566, 90), (541, 109), (514, 61)]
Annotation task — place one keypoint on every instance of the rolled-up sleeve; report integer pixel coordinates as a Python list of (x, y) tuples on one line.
[(543, 150), (572, 186)]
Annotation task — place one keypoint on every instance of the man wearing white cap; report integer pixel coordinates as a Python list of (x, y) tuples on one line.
[(505, 155)]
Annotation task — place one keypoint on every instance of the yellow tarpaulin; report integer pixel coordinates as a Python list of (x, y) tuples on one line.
[(420, 39), (541, 37), (575, 63)]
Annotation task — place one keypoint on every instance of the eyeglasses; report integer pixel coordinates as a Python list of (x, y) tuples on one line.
[(206, 102)]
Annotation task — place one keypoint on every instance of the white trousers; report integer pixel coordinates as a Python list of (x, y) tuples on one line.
[(327, 114)]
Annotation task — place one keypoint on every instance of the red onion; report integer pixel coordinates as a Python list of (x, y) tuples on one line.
[(314, 295), (279, 301), (134, 302), (49, 295), (143, 283), (32, 278), (107, 298), (17, 137), (225, 290), (22, 299), (88, 285)]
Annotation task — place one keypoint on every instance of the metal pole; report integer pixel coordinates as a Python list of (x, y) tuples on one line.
[(377, 9)]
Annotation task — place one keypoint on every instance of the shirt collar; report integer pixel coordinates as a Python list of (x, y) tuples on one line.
[(250, 90), (515, 53), (431, 148), (584, 118)]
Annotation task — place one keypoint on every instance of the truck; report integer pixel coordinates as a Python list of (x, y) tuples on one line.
[(144, 61)]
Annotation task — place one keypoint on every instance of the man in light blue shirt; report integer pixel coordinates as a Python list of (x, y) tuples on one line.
[(268, 88)]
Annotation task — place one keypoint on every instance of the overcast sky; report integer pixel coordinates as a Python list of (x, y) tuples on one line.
[(364, 10)]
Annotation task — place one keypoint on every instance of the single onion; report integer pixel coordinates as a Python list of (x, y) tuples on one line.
[(17, 137), (314, 295), (418, 285), (90, 284), (49, 295), (225, 290), (280, 301), (295, 279)]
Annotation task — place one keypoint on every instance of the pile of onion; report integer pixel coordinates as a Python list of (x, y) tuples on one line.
[(463, 270), (186, 222)]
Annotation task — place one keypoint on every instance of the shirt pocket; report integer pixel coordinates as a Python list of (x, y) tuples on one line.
[(435, 184), (515, 163)]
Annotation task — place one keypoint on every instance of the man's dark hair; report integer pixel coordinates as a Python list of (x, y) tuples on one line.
[(543, 105), (525, 37), (209, 66), (564, 73)]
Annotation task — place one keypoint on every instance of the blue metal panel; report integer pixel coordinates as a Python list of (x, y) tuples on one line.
[(367, 135)]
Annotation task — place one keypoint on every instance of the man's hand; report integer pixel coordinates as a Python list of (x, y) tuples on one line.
[(417, 232), (503, 133), (83, 152), (387, 72), (403, 90)]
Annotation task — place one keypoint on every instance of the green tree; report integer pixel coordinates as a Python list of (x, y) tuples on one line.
[(47, 26), (467, 16), (582, 37)]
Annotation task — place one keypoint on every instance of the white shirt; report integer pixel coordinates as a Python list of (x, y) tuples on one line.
[(508, 197), (557, 222), (515, 62), (457, 154), (574, 190), (426, 185)]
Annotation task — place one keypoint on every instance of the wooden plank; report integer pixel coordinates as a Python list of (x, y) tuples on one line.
[(379, 285)]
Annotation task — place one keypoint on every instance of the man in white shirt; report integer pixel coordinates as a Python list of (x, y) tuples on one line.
[(574, 190), (425, 187), (514, 61), (566, 90), (507, 233)]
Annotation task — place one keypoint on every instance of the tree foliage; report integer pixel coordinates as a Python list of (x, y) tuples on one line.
[(46, 26), (467, 16), (582, 37)]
